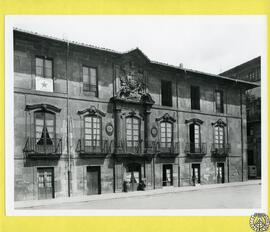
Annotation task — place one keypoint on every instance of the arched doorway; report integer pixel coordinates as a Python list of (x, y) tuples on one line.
[(133, 176)]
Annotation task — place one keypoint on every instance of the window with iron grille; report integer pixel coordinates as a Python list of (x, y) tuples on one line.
[(92, 131), (90, 81), (44, 128), (166, 134), (166, 93), (195, 97), (219, 101), (132, 131), (44, 67)]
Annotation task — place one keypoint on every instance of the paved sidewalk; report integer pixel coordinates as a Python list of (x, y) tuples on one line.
[(165, 190)]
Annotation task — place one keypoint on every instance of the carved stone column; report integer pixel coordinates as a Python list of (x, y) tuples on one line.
[(147, 135), (117, 143)]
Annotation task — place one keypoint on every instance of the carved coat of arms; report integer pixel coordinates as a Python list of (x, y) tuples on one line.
[(131, 84)]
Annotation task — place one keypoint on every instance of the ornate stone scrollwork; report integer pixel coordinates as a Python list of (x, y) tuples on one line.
[(92, 111), (166, 118), (219, 123)]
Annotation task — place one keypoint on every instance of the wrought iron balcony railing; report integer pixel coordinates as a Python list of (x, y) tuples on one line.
[(167, 147), (132, 147), (220, 148), (91, 147), (197, 149), (43, 147)]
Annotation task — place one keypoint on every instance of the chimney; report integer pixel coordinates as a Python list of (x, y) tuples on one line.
[(181, 65)]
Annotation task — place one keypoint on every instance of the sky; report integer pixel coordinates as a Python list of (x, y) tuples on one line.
[(205, 43)]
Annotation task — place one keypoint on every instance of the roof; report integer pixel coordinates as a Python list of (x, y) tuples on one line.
[(239, 67), (247, 83)]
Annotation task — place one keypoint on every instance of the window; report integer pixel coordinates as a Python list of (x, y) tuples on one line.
[(44, 67), (219, 136), (195, 138), (219, 101), (195, 97), (165, 134), (166, 93), (132, 131), (44, 128), (92, 131), (90, 81)]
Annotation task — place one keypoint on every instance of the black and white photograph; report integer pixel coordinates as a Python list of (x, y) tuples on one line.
[(136, 115)]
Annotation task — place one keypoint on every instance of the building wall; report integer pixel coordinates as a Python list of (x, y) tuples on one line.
[(68, 60), (251, 71)]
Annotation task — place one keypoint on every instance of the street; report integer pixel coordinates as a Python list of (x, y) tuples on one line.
[(227, 197)]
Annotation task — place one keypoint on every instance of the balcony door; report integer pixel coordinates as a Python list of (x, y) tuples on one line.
[(92, 133), (195, 138), (132, 134), (165, 135), (219, 137), (44, 132)]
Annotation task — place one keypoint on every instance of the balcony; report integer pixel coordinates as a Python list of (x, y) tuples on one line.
[(130, 147), (167, 149), (220, 150), (43, 148), (93, 148), (196, 150)]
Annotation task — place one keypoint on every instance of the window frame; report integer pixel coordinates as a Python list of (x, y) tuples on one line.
[(96, 92), (199, 133), (44, 58), (132, 131), (44, 112), (166, 100), (223, 135), (195, 97), (219, 109), (100, 130), (166, 138)]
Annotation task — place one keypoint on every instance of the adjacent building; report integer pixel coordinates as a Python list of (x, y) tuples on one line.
[(92, 121), (251, 71)]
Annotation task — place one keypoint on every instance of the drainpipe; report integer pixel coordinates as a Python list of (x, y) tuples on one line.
[(68, 151), (242, 145), (178, 134), (227, 137)]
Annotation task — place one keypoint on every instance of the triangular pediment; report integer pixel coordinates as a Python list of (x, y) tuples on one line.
[(136, 56)]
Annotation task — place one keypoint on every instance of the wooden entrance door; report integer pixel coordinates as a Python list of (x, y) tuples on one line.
[(220, 172), (167, 175), (45, 183), (196, 173), (93, 180), (133, 176)]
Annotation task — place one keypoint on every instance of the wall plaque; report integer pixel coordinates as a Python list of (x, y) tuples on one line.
[(109, 129)]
